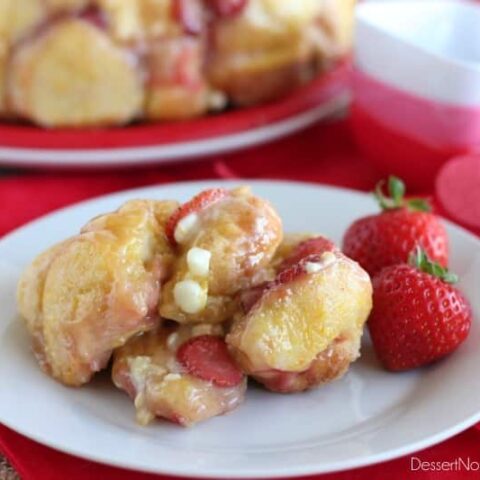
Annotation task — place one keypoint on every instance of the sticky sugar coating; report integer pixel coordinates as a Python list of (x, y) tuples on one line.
[(160, 60), (272, 47), (179, 373), (89, 294), (239, 233), (74, 75), (304, 328)]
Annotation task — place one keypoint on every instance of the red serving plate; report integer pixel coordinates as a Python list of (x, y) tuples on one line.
[(143, 143)]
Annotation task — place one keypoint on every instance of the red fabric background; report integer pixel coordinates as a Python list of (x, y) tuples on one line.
[(323, 154)]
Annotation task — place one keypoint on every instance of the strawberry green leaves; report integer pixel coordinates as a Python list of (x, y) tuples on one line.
[(419, 259), (395, 197)]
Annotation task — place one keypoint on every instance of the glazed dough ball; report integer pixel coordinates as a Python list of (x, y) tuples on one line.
[(240, 233), (345, 22), (89, 294), (149, 370), (305, 328), (57, 6), (176, 88), (134, 20), (97, 63), (266, 26), (19, 17), (74, 76), (334, 32), (265, 51)]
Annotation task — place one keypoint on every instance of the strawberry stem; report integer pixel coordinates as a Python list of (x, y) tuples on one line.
[(396, 197), (419, 259)]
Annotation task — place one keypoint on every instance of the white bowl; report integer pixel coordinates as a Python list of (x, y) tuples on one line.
[(417, 84), (429, 48)]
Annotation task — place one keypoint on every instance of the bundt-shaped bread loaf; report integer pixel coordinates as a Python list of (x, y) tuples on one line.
[(81, 63)]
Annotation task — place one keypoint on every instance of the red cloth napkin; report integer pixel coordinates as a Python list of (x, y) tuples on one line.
[(324, 154)]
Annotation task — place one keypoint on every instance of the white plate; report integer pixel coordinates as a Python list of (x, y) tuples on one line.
[(369, 416)]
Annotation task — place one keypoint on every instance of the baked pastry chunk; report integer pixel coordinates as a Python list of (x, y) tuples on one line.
[(182, 374), (304, 328), (19, 17), (98, 83), (263, 51), (169, 32), (89, 294), (176, 88), (66, 6), (131, 21), (188, 300), (84, 63), (224, 240)]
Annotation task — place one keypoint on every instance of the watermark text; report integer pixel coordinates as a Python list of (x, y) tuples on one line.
[(456, 465)]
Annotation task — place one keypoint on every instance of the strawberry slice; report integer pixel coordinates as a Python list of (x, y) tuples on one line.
[(189, 14), (249, 298), (206, 357), (313, 246), (292, 267), (298, 269), (228, 8), (95, 17), (202, 201), (293, 272)]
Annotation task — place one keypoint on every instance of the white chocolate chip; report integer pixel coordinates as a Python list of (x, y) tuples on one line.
[(190, 296), (328, 258), (139, 369), (198, 261), (186, 227), (172, 341), (171, 377), (311, 267), (217, 100)]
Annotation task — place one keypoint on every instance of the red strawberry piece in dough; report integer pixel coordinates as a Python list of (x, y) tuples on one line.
[(299, 268), (189, 13), (95, 17), (290, 274), (248, 298), (312, 246), (458, 192), (292, 267), (182, 73), (228, 8), (417, 317), (202, 201), (207, 357), (388, 238)]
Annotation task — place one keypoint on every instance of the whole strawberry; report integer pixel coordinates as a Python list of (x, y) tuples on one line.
[(418, 317), (387, 238)]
